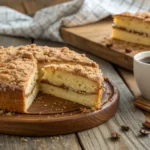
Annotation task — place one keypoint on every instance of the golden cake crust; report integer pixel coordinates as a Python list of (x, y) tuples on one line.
[(15, 68), (142, 16), (12, 100), (91, 73), (45, 54)]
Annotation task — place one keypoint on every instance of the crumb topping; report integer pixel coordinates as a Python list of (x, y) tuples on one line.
[(15, 68), (49, 54), (85, 71), (140, 15)]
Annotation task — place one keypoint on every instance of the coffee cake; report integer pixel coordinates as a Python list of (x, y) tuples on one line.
[(133, 28), (25, 70)]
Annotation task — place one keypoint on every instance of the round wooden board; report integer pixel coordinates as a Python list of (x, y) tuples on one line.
[(49, 115)]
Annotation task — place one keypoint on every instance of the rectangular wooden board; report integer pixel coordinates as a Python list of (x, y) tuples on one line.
[(94, 38)]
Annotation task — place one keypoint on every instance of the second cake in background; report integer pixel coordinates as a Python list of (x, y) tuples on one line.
[(134, 28)]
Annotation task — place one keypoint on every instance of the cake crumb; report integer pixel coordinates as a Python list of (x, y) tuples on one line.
[(94, 64), (109, 45), (128, 50), (1, 111), (33, 45), (83, 55), (108, 93), (37, 140), (49, 117), (85, 110), (24, 139), (9, 114), (106, 79)]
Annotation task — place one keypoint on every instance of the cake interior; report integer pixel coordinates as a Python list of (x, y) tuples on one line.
[(89, 100), (31, 89), (132, 24), (134, 28), (69, 80), (130, 37), (71, 86), (30, 98)]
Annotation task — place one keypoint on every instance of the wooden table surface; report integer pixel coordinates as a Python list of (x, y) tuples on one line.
[(97, 138)]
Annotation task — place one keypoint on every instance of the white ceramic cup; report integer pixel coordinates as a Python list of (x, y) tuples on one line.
[(142, 73)]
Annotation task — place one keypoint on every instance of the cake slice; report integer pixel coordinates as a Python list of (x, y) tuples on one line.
[(18, 75), (80, 84), (133, 28)]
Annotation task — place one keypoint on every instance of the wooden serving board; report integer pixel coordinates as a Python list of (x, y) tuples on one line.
[(94, 38), (49, 115)]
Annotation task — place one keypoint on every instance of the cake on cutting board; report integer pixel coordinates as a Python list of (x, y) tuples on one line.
[(132, 27), (26, 70)]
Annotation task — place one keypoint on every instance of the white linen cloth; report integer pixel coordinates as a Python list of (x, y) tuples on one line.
[(46, 22)]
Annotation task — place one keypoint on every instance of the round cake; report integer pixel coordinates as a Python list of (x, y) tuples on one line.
[(26, 70)]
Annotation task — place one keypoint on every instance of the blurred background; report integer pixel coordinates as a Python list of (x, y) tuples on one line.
[(29, 7)]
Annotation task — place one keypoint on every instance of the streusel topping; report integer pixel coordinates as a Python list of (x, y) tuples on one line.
[(15, 68), (85, 71), (49, 54), (18, 63), (145, 16)]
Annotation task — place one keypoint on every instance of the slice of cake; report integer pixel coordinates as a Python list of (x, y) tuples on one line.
[(80, 84), (18, 75), (133, 28)]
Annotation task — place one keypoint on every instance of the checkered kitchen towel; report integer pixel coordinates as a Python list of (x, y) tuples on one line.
[(47, 22)]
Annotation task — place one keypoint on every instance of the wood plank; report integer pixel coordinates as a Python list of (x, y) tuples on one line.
[(69, 141), (93, 38), (142, 103), (99, 137), (130, 81), (14, 4), (62, 142), (15, 41)]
